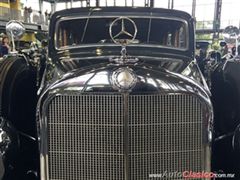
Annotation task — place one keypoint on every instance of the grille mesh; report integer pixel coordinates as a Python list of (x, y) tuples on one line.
[(164, 135), (86, 136)]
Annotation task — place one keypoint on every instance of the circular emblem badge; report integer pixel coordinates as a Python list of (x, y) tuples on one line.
[(124, 79), (123, 31)]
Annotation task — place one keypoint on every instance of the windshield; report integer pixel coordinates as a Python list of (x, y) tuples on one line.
[(169, 33)]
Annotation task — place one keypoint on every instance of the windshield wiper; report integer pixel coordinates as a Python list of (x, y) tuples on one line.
[(85, 27)]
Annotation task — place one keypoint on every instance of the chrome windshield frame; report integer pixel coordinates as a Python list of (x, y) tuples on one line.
[(68, 18)]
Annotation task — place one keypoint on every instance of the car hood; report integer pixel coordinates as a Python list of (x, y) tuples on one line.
[(149, 79)]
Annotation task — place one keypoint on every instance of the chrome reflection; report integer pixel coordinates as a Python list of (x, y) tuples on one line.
[(100, 78), (5, 140)]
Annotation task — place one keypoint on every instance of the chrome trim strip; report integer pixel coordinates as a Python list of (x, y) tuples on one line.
[(126, 135), (43, 136), (64, 59)]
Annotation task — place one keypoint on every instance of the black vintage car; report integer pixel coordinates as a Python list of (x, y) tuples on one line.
[(121, 97)]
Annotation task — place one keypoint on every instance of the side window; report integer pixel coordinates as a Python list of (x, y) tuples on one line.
[(182, 38)]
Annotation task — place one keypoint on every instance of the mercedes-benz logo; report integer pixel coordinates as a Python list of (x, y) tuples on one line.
[(124, 79), (116, 38)]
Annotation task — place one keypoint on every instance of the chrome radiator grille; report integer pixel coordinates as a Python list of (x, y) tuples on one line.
[(165, 134), (114, 137)]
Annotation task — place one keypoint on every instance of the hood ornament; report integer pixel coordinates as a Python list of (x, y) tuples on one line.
[(117, 37), (123, 38)]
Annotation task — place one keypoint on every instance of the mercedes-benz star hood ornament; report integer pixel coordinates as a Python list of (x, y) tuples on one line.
[(117, 37), (123, 37)]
